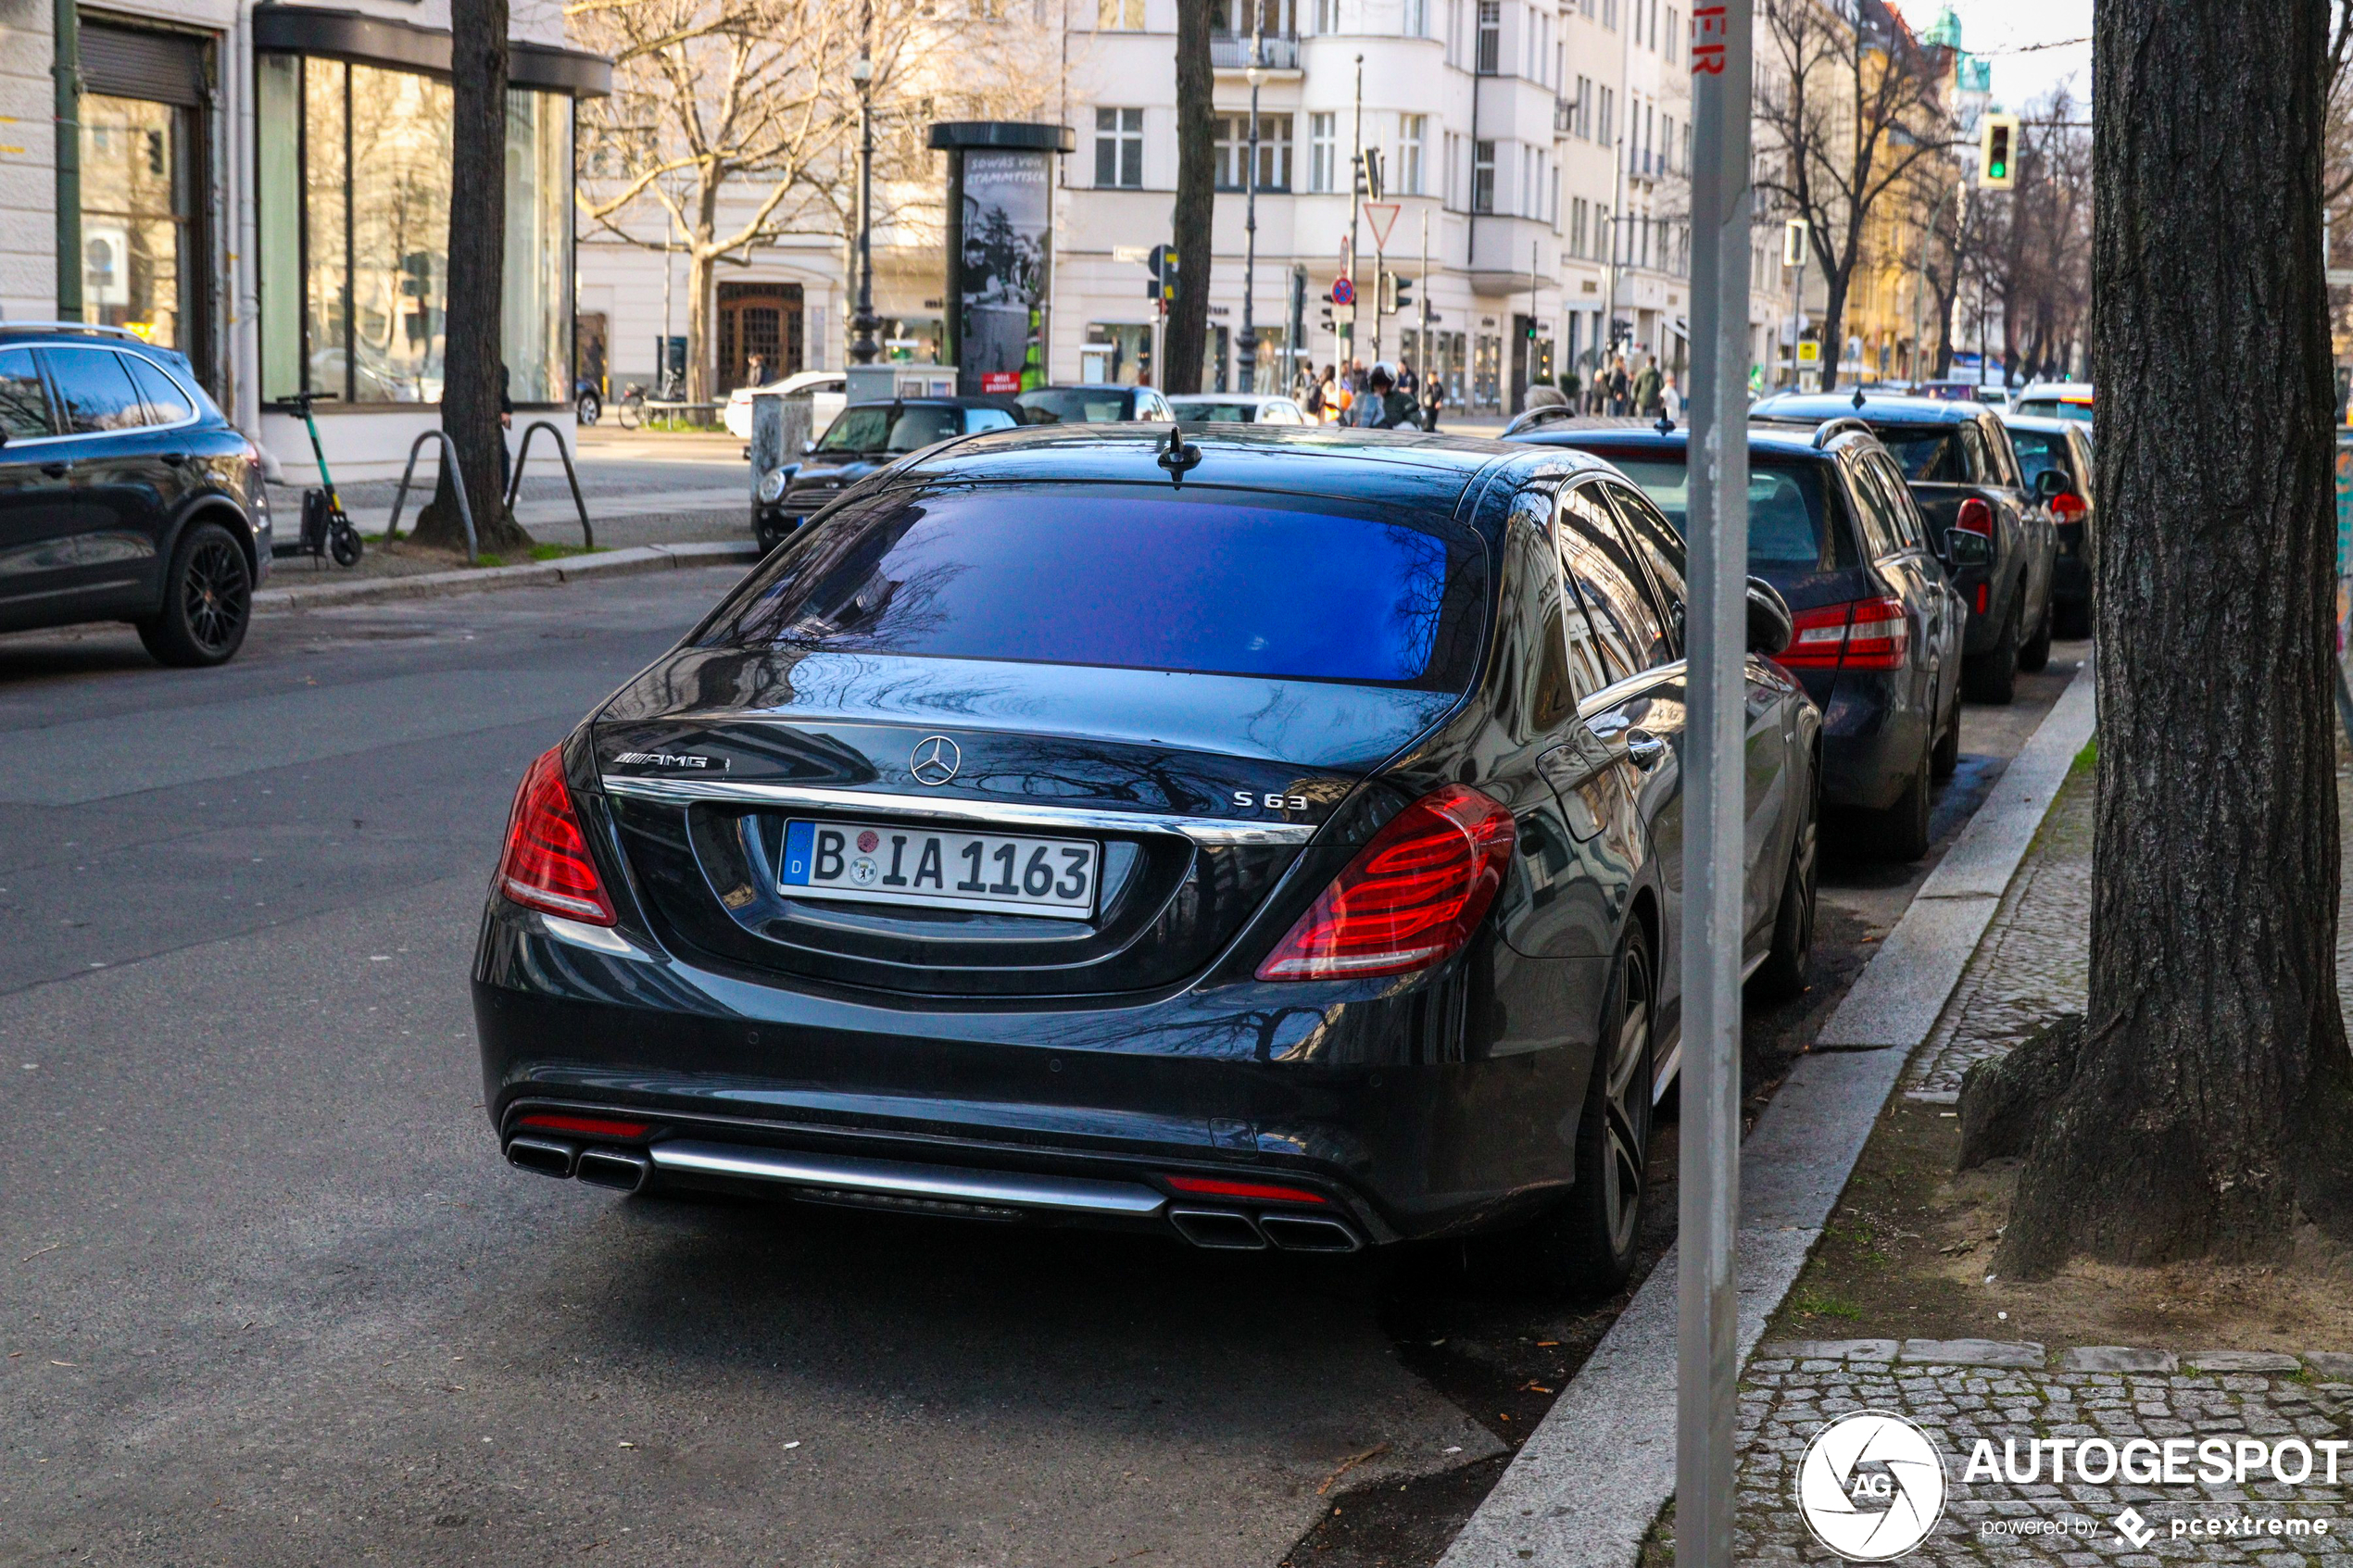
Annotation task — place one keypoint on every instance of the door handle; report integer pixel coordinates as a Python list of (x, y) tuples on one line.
[(1644, 750), (175, 459), (57, 469)]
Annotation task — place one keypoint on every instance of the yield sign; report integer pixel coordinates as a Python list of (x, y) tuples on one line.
[(1382, 216)]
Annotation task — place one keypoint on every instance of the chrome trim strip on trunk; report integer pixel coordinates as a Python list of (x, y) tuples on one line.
[(991, 813), (1073, 1195)]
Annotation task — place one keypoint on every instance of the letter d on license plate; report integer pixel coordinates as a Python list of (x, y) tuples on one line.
[(882, 863)]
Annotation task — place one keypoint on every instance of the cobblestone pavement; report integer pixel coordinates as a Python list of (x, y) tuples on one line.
[(2034, 959), (2102, 1393)]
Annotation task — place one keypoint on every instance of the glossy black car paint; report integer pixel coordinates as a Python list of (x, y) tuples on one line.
[(89, 519), (1141, 1043), (2025, 548), (2044, 441), (1876, 725), (818, 477)]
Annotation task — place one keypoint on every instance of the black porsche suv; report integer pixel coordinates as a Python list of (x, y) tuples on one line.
[(125, 493), (1965, 475), (1009, 845)]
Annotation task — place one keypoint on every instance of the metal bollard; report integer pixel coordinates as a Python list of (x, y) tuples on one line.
[(514, 483), (458, 478)]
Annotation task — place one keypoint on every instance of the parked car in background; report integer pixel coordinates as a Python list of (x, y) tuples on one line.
[(1833, 528), (2063, 446), (125, 493), (2056, 400), (1243, 408), (1103, 403), (1957, 391), (587, 401), (1009, 846), (866, 438), (826, 392), (1957, 459)]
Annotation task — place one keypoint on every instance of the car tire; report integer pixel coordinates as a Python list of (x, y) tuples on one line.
[(1992, 676), (207, 601), (591, 409), (1902, 829), (2038, 651), (1944, 758), (1782, 975), (1587, 1244)]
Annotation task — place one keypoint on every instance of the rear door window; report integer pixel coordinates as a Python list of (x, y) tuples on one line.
[(166, 405), (96, 391), (1910, 526), (24, 402), (1882, 530), (1624, 618), (1641, 526), (1205, 582)]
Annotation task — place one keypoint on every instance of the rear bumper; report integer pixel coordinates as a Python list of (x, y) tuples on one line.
[(1871, 737), (1337, 1090)]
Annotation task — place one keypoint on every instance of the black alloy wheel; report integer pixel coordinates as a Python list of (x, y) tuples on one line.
[(1587, 1246), (1992, 676), (1902, 829), (207, 601), (1782, 975), (2038, 651), (1946, 759)]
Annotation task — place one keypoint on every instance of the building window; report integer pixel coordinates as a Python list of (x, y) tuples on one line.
[(1453, 152), (1417, 18), (1609, 14), (1233, 151), (1119, 149), (355, 234), (1674, 33), (1119, 15), (1412, 129), (1482, 177), (1666, 144), (1609, 116), (1576, 215), (1490, 36), (1581, 115), (1322, 151), (1327, 16)]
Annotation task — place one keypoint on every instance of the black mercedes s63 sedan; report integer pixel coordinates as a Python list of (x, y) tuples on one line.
[(1273, 841)]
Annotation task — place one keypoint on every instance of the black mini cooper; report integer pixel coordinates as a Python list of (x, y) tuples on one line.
[(1273, 841)]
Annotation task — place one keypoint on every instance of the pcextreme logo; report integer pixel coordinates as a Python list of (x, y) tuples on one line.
[(1871, 1486)]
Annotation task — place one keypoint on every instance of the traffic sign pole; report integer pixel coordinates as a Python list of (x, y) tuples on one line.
[(1708, 1330)]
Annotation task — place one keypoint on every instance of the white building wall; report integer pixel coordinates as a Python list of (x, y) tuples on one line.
[(27, 163)]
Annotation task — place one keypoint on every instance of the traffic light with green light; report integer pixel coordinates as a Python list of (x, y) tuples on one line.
[(1997, 150)]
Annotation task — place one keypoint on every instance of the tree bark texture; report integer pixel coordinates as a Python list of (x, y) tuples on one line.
[(1187, 339), (477, 266), (2211, 1103)]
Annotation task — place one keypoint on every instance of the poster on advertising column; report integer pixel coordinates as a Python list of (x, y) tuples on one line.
[(1007, 230)]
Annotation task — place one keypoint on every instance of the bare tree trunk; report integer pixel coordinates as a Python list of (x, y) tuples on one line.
[(1834, 329), (700, 292), (1186, 339), (2211, 1103), (470, 387)]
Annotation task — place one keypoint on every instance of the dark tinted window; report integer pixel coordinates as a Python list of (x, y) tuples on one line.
[(1784, 507), (1911, 527), (1880, 534), (1075, 405), (1930, 455), (95, 390), (1216, 413), (166, 405), (1138, 580), (1641, 526), (2040, 451), (1610, 584), (874, 427), (24, 403)]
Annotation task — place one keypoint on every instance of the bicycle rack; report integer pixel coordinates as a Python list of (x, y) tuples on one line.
[(514, 481), (457, 483)]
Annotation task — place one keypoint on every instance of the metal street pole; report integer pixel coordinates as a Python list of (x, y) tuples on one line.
[(1257, 76), (1356, 203), (862, 322), (1708, 1302), (1421, 352)]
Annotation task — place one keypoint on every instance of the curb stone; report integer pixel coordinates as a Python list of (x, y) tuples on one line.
[(534, 574), (1583, 1490), (2242, 1360), (2119, 1358)]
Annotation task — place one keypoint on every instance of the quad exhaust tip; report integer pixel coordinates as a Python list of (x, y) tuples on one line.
[(1227, 1230), (1308, 1233), (549, 1157), (618, 1169), (1220, 1230)]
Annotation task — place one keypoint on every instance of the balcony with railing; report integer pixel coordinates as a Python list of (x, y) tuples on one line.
[(1230, 51)]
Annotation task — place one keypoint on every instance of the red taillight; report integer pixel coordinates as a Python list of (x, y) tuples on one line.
[(1410, 897), (586, 1126), (1977, 517), (2068, 508), (547, 865), (1261, 1192), (1867, 634)]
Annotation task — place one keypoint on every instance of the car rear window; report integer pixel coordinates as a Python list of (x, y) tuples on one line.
[(1928, 455), (1050, 405), (1219, 413), (1785, 509), (1201, 582), (2038, 450), (875, 427), (2052, 408)]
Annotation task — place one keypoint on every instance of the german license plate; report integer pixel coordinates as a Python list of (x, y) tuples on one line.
[(880, 863)]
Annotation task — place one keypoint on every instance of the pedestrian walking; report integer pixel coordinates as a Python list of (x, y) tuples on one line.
[(1647, 386), (1312, 399), (756, 372), (1433, 401), (1619, 384), (1671, 400)]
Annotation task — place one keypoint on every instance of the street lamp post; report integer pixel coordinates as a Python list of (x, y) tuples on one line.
[(862, 321), (1257, 77)]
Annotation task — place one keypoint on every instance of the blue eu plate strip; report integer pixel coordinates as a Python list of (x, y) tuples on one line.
[(800, 839)]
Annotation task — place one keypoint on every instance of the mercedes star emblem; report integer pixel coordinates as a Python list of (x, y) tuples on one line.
[(936, 760)]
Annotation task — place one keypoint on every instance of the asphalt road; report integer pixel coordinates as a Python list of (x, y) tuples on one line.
[(269, 1295)]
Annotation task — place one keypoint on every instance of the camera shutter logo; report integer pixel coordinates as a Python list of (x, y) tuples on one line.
[(936, 760), (1871, 1486)]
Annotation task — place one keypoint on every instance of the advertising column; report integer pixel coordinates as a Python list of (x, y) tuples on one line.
[(1000, 260)]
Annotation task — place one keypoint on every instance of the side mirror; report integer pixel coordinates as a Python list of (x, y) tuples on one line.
[(1964, 548), (1770, 627), (2050, 485)]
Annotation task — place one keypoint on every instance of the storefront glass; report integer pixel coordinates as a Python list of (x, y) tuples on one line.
[(354, 177), (137, 208)]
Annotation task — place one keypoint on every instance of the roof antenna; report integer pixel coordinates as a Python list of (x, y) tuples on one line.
[(1178, 456), (1664, 426), (1858, 399)]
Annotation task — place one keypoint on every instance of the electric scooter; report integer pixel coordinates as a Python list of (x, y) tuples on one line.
[(326, 530)]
